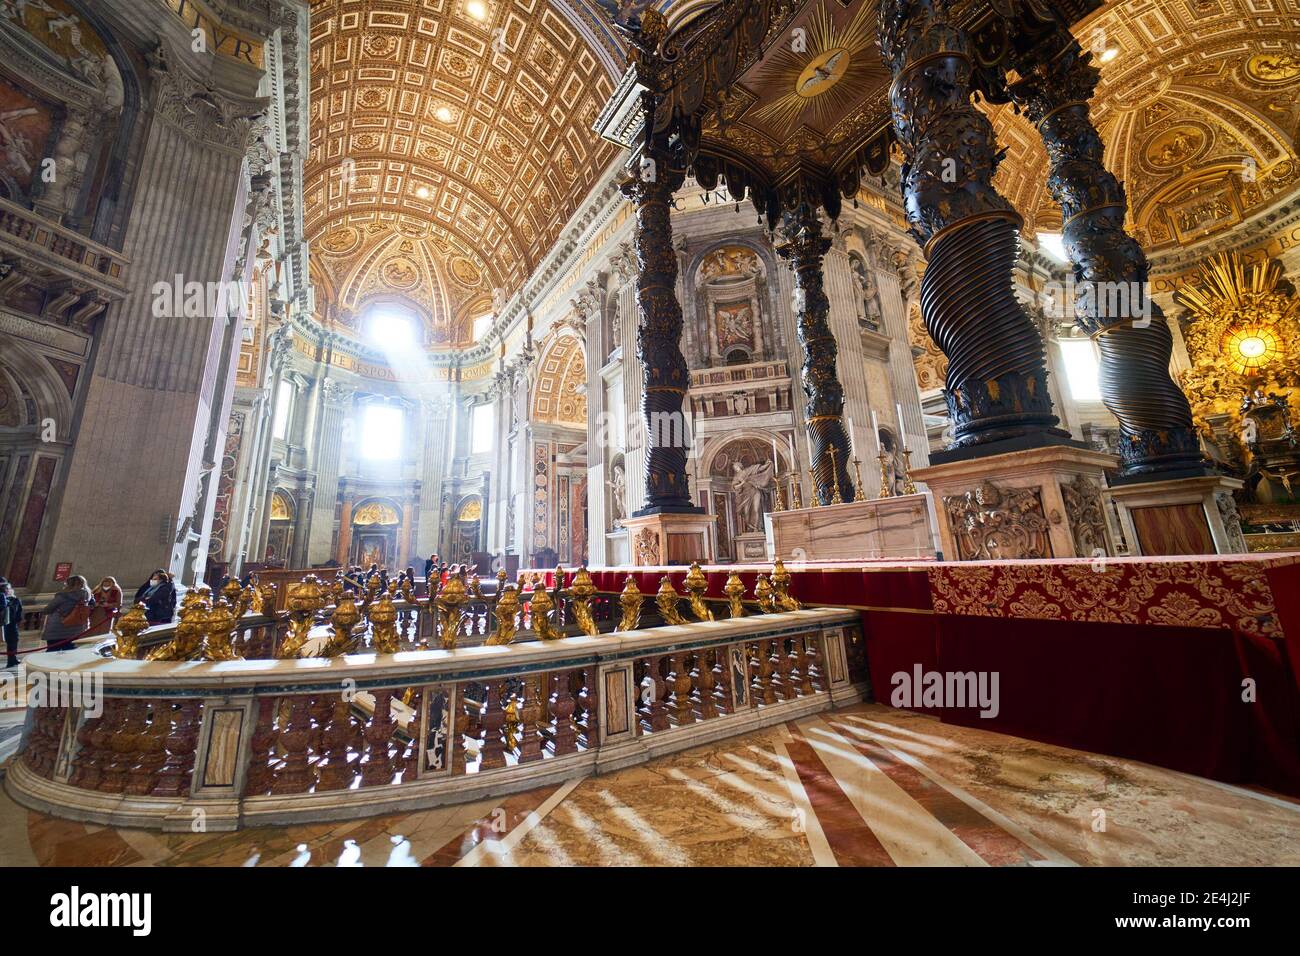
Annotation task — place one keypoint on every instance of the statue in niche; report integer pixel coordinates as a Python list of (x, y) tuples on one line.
[(618, 492), (869, 293), (749, 483)]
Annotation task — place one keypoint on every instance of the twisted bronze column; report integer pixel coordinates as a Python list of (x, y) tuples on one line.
[(1113, 302), (650, 183), (803, 245), (996, 387)]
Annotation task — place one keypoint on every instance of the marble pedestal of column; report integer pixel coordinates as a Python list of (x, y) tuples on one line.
[(899, 527), (1038, 503), (1181, 516), (671, 538)]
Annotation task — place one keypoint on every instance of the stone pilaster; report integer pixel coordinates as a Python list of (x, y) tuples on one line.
[(161, 367), (336, 399)]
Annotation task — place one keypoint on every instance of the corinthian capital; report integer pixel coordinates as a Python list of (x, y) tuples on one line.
[(198, 110)]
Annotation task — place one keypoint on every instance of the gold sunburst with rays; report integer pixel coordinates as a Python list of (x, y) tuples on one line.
[(826, 77)]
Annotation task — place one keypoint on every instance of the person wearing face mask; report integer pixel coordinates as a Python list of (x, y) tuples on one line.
[(158, 595), (67, 616), (108, 604)]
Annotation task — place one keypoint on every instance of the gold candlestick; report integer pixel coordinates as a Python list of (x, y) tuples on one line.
[(909, 486), (886, 489), (796, 496), (836, 498), (816, 493), (778, 505), (858, 493)]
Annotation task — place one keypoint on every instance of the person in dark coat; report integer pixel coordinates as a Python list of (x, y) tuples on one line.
[(67, 616), (158, 595), (11, 619)]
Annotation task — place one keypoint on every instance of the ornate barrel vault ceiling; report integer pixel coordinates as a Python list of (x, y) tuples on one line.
[(1198, 109), (450, 142)]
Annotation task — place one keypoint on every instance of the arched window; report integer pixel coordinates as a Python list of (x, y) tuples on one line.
[(392, 325)]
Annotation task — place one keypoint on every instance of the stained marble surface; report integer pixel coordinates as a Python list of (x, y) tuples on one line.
[(862, 786)]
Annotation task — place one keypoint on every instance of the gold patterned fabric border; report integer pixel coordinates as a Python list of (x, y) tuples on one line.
[(1218, 593)]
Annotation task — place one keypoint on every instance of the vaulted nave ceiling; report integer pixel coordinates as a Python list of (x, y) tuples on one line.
[(450, 142), (451, 139), (1199, 108)]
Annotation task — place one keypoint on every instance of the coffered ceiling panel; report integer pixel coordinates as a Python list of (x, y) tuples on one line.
[(450, 142)]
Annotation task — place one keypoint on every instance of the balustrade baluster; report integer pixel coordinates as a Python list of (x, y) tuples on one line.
[(258, 779), (530, 717), (340, 741), (681, 691), (590, 709), (564, 738), (150, 749), (43, 744), (464, 724), (785, 667), (85, 764), (377, 763), (705, 683), (762, 689), (818, 661), (492, 753), (174, 778), (804, 663), (295, 775), (657, 711), (723, 678)]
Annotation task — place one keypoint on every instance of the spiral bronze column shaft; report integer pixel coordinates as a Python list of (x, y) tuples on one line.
[(803, 245), (996, 386), (1113, 303), (659, 331)]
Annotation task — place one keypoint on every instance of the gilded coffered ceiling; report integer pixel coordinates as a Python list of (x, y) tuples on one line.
[(450, 142), (1199, 109)]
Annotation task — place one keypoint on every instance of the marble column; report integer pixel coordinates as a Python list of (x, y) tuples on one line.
[(803, 245), (996, 387), (1113, 305), (650, 185)]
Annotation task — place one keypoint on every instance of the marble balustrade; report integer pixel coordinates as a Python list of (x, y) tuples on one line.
[(220, 745)]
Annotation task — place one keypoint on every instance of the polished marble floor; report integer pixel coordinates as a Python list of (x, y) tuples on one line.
[(863, 786)]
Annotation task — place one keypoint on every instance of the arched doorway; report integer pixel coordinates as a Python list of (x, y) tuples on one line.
[(467, 530), (279, 538), (375, 525)]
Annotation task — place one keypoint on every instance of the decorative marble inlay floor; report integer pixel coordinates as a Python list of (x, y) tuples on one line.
[(862, 786)]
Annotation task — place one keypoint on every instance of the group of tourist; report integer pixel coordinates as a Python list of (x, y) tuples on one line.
[(76, 611)]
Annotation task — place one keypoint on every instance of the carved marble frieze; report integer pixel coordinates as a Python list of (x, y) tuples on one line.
[(1085, 511)]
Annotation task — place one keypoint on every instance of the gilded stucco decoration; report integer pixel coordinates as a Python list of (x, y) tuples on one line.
[(1199, 111), (447, 149)]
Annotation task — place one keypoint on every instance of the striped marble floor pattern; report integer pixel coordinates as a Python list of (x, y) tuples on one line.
[(862, 786)]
